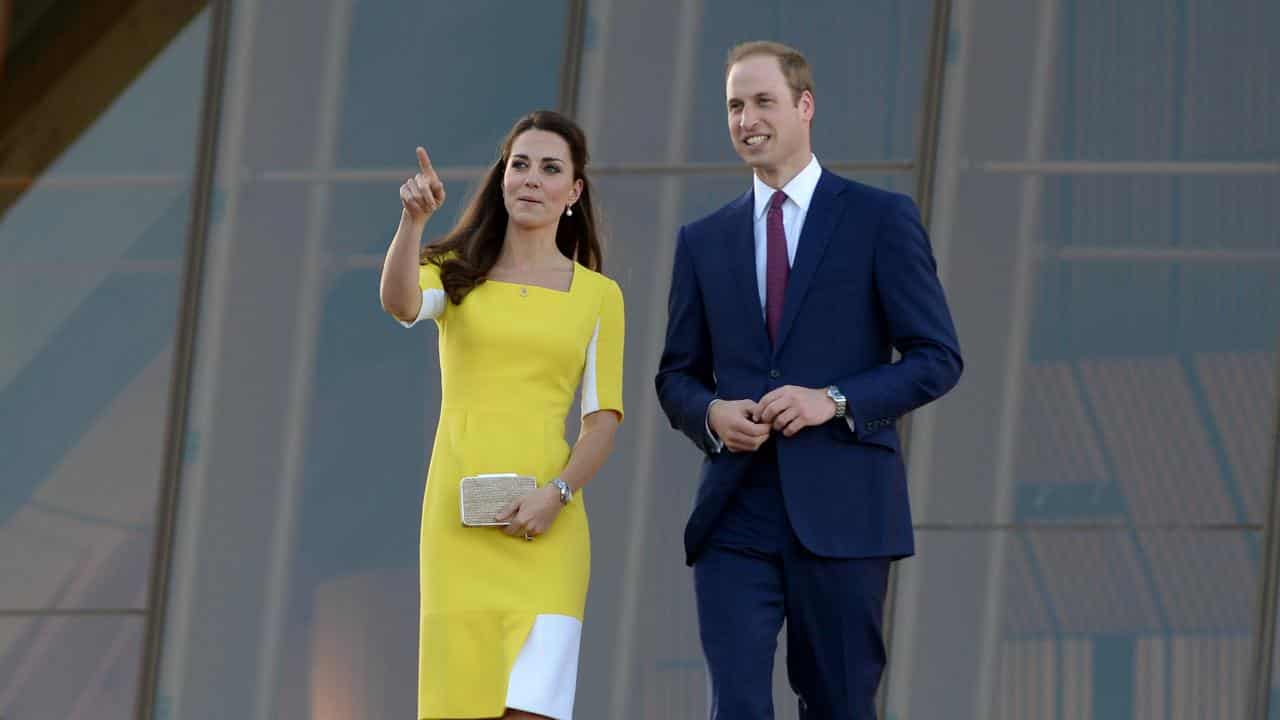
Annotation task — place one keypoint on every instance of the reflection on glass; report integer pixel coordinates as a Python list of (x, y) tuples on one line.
[(451, 77), (69, 667), (1074, 624), (90, 257), (662, 100)]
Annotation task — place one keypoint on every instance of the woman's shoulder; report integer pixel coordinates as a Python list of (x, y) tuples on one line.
[(596, 281)]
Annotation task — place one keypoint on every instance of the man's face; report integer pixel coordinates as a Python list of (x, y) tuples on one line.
[(767, 126)]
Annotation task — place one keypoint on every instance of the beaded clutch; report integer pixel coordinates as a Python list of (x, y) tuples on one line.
[(484, 496)]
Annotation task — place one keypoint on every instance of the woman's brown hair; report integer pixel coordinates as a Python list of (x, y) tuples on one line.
[(468, 252)]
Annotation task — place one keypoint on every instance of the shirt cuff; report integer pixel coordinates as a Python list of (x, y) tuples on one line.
[(716, 443)]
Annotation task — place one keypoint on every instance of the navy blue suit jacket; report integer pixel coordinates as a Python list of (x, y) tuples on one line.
[(862, 283)]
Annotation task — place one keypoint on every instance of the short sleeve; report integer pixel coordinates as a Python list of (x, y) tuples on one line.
[(602, 373), (434, 299)]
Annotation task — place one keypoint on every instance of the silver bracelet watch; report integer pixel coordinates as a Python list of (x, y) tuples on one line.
[(566, 492), (838, 398)]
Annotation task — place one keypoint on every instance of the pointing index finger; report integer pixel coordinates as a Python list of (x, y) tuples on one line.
[(424, 162)]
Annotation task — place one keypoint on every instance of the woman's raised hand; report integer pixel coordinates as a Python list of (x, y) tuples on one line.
[(423, 193)]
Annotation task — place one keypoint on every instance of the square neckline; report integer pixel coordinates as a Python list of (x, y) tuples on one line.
[(573, 280)]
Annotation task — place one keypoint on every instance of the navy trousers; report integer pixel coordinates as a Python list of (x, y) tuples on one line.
[(754, 575)]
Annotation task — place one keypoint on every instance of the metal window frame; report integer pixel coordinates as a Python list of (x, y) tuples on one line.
[(1259, 699), (184, 355), (575, 35), (926, 164)]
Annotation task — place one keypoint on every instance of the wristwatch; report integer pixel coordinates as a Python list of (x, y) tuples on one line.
[(566, 492), (838, 398)]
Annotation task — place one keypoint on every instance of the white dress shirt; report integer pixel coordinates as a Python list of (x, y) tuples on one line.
[(799, 194)]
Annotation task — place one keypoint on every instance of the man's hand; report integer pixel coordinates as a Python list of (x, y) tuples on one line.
[(792, 409), (733, 422)]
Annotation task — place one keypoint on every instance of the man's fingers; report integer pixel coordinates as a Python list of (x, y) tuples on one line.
[(785, 417), (769, 410), (748, 440), (737, 442), (424, 162), (746, 428), (794, 427), (778, 406), (773, 403)]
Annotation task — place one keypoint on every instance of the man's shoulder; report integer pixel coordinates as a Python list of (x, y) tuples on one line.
[(862, 195)]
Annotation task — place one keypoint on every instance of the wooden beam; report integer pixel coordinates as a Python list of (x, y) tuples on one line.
[(68, 69), (4, 32)]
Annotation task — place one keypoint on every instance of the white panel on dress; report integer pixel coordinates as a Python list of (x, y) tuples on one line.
[(545, 676), (590, 377)]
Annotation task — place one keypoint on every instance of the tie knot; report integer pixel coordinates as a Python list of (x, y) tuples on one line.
[(776, 201)]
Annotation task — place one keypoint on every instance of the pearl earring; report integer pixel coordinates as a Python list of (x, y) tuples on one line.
[(568, 210)]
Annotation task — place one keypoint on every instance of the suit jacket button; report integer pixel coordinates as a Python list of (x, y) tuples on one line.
[(775, 374)]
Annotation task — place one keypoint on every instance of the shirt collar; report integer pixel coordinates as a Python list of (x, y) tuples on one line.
[(799, 190)]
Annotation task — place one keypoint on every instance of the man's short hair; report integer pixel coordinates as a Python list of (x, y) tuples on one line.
[(794, 67)]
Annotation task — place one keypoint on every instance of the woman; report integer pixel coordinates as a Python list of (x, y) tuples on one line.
[(524, 317)]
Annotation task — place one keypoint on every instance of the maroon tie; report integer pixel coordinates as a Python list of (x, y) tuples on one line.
[(777, 267)]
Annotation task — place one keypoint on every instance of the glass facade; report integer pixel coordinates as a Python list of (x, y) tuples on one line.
[(95, 190), (1090, 496), (1092, 501)]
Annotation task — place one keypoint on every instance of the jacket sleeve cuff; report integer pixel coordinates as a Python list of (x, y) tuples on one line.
[(715, 443)]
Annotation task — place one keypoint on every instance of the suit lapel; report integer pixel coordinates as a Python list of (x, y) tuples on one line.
[(819, 222), (742, 265)]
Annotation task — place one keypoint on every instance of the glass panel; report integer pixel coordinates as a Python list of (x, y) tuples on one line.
[(450, 76), (90, 274), (69, 667), (1079, 625), (662, 100), (1165, 81), (1274, 486), (296, 557), (1274, 710), (1118, 320)]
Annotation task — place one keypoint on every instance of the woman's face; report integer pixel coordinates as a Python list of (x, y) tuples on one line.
[(538, 183)]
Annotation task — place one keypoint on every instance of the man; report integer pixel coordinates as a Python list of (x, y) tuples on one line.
[(785, 307)]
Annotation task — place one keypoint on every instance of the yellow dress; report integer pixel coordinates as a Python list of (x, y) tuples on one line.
[(511, 358)]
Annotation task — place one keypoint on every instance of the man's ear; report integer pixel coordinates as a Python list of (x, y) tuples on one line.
[(806, 105)]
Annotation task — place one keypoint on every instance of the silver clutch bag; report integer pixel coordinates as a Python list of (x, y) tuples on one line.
[(484, 496)]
